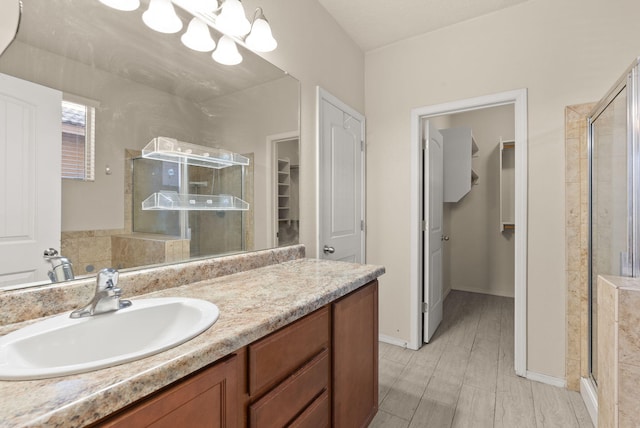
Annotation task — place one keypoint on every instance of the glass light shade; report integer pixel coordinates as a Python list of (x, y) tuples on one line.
[(126, 5), (161, 16), (232, 20), (260, 39), (198, 37), (227, 52)]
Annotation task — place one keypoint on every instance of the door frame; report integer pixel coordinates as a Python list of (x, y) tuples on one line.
[(324, 95), (519, 100), (272, 185)]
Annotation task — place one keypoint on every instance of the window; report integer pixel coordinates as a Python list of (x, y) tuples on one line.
[(78, 139)]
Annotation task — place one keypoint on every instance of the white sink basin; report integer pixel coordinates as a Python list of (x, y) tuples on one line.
[(62, 346)]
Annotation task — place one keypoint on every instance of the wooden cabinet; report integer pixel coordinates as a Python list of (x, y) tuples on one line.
[(319, 371), (289, 371), (276, 356), (206, 399), (355, 358), (280, 406)]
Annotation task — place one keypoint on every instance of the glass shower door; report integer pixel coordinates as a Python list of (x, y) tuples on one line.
[(612, 155)]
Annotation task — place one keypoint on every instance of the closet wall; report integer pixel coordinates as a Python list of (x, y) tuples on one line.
[(478, 257)]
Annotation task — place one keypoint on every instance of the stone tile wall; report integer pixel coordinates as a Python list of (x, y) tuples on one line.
[(576, 241), (618, 352), (88, 250)]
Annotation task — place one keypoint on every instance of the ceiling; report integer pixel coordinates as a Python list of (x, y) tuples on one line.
[(375, 23)]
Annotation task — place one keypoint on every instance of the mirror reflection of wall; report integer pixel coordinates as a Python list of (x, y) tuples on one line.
[(143, 85)]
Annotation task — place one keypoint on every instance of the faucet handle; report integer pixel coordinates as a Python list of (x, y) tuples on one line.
[(50, 252), (107, 279)]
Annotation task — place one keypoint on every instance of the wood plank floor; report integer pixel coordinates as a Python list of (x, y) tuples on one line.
[(465, 376)]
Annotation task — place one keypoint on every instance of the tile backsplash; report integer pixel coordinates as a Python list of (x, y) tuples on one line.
[(35, 302)]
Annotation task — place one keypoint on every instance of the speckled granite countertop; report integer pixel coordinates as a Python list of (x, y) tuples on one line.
[(252, 304)]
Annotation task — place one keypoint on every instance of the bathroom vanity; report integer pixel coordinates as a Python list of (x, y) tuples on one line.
[(296, 343)]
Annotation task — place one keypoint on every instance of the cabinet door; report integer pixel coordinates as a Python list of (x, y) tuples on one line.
[(355, 358), (207, 399)]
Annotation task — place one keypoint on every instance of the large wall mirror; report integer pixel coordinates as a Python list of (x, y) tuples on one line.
[(121, 85)]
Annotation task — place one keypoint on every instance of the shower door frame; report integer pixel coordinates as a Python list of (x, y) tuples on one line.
[(629, 82)]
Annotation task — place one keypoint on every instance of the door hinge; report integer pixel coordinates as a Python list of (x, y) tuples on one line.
[(424, 144), (362, 225), (362, 145), (425, 307), (424, 225)]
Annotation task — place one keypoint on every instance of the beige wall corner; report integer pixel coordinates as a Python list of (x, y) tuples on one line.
[(316, 51), (567, 63)]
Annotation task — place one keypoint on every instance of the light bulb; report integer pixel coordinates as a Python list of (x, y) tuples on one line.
[(227, 52), (260, 39), (125, 5), (161, 16), (232, 20), (198, 37)]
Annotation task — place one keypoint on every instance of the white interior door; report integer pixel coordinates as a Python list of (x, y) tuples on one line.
[(341, 135), (30, 151), (433, 188)]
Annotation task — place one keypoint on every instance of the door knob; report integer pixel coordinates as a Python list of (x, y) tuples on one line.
[(328, 250), (444, 238)]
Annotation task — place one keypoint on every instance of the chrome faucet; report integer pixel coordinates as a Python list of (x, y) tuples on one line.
[(107, 297), (61, 267)]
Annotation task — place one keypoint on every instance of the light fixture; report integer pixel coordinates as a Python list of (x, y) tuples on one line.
[(198, 37), (227, 52), (260, 38), (125, 5), (229, 19), (232, 20), (161, 16)]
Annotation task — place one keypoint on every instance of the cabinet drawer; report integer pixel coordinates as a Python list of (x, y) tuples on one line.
[(292, 396), (314, 416), (281, 353)]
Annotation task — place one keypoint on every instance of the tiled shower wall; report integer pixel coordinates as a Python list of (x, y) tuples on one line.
[(576, 242), (88, 250), (92, 250)]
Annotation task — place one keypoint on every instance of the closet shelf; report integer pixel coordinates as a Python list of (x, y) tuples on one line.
[(507, 185), (459, 147), (172, 150), (173, 201)]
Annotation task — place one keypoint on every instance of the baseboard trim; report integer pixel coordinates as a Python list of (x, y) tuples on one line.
[(392, 340), (590, 397), (549, 380), (478, 291)]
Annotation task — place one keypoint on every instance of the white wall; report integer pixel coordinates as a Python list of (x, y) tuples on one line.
[(478, 257), (316, 51), (566, 52)]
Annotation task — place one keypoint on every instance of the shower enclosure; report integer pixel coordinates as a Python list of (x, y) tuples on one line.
[(614, 171), (209, 231)]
